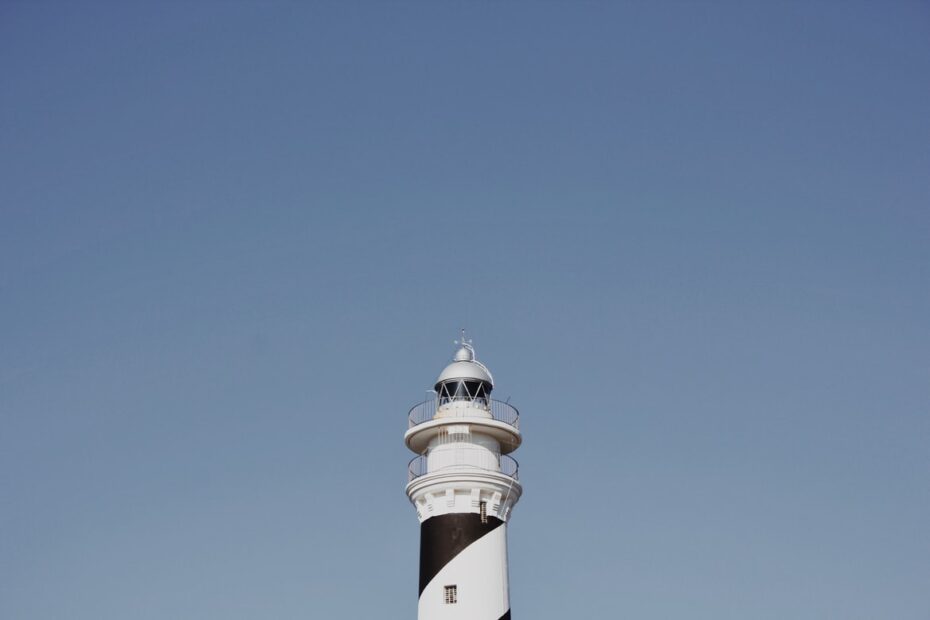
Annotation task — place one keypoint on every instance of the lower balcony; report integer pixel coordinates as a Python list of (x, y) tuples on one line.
[(462, 460)]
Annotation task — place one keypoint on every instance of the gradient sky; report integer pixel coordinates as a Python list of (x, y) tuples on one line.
[(692, 241)]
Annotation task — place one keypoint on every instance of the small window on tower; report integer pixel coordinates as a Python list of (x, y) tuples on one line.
[(452, 595), (483, 511)]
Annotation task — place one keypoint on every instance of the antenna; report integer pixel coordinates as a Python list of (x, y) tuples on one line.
[(465, 342)]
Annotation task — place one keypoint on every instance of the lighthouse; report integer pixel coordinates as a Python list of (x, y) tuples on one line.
[(464, 485)]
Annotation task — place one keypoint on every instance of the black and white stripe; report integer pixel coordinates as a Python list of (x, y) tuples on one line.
[(470, 553)]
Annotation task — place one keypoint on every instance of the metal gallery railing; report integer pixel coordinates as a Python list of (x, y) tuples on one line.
[(427, 410), (463, 460)]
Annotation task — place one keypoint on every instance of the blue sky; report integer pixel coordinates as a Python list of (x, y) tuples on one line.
[(690, 240)]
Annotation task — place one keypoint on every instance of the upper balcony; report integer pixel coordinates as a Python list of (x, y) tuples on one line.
[(494, 418), (435, 409)]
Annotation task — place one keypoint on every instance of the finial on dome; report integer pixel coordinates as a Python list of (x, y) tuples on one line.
[(466, 352)]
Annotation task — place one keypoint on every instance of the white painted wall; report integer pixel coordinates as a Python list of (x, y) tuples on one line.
[(457, 446)]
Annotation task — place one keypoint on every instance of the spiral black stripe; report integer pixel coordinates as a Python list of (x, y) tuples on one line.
[(506, 616), (445, 536)]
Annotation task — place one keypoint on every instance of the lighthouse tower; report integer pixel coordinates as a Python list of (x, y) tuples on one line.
[(464, 488)]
